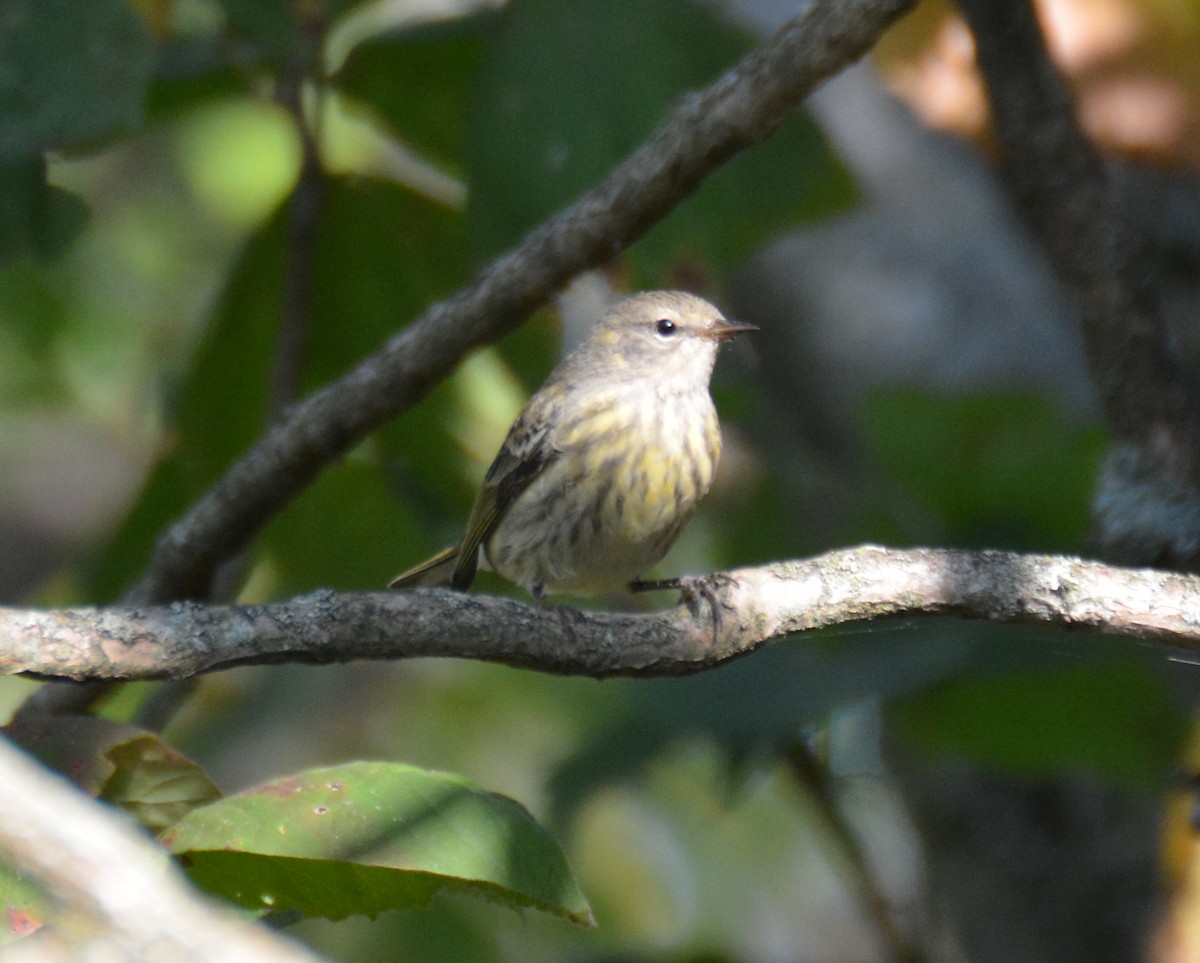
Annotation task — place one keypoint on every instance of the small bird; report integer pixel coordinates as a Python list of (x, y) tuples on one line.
[(605, 465)]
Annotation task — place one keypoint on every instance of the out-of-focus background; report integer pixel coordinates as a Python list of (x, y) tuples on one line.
[(918, 379)]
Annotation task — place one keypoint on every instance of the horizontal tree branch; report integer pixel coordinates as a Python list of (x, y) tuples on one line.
[(757, 606), (739, 110)]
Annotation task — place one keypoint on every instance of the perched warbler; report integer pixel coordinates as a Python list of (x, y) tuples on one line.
[(606, 463)]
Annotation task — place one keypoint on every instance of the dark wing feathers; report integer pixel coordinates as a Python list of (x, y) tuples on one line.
[(525, 453)]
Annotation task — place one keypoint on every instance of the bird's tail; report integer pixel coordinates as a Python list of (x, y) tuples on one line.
[(431, 572)]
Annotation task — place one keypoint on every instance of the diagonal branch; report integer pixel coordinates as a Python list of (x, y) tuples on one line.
[(1148, 503), (758, 606), (739, 110), (1065, 195)]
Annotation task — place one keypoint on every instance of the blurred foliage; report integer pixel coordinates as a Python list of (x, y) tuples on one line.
[(144, 272), (71, 74), (1106, 720), (606, 74), (34, 317), (37, 220), (119, 763), (991, 451), (419, 81), (26, 908)]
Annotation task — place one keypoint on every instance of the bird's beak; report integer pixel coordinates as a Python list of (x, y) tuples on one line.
[(723, 329)]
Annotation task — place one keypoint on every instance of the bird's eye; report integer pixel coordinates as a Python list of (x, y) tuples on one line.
[(665, 327)]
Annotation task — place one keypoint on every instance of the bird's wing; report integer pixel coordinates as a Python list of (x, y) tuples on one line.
[(523, 456)]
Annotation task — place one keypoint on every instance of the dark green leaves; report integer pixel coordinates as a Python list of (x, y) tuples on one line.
[(569, 89), (1116, 721), (70, 73), (998, 470), (33, 319), (281, 31), (419, 82), (37, 219)]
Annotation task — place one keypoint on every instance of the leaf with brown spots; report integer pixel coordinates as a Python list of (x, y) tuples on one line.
[(371, 836)]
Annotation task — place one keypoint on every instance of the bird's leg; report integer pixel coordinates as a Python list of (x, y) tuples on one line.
[(655, 585), (692, 588)]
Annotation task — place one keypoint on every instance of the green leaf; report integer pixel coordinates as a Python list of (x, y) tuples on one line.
[(154, 783), (25, 907), (31, 307), (381, 255), (122, 764), (348, 526), (76, 746), (419, 81), (32, 318), (276, 28), (568, 90), (1115, 721), (270, 25), (37, 220), (192, 72), (367, 837), (999, 469), (71, 73)]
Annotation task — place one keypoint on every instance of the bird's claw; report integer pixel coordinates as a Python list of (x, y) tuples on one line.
[(692, 590)]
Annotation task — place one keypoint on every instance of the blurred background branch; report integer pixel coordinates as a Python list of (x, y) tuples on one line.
[(121, 897), (1148, 500)]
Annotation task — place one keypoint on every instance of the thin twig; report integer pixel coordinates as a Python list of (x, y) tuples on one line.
[(304, 210), (813, 777)]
